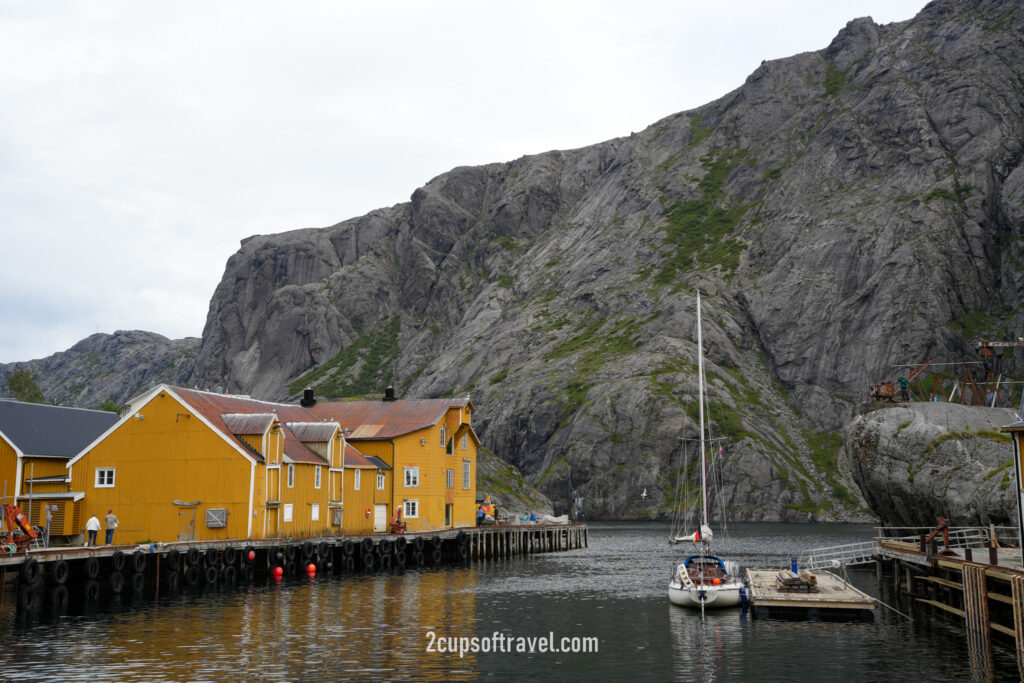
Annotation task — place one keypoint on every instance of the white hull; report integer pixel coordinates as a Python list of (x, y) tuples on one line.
[(725, 595)]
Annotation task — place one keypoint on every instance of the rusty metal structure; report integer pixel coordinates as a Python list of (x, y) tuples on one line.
[(977, 383)]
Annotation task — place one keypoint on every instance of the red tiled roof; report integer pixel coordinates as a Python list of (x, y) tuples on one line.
[(354, 460), (214, 407), (296, 451), (387, 419)]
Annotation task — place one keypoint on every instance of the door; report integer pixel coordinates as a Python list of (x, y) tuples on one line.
[(271, 531), (380, 518), (448, 514), (186, 524)]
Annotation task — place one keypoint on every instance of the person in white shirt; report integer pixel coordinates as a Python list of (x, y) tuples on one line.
[(93, 527)]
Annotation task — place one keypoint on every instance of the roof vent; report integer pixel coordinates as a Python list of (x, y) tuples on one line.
[(307, 400), (389, 393)]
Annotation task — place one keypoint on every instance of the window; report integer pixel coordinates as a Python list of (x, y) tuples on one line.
[(412, 508), (104, 477), (316, 477), (287, 512), (443, 442), (337, 514), (291, 476), (356, 479), (465, 442), (451, 479), (466, 466), (314, 512), (217, 518), (380, 480), (450, 448), (412, 477)]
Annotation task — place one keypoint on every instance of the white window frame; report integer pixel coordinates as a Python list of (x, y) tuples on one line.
[(316, 477), (357, 479), (451, 478), (465, 441), (443, 441), (291, 476), (467, 466), (314, 512), (101, 477), (411, 509), (286, 514), (412, 477), (380, 480)]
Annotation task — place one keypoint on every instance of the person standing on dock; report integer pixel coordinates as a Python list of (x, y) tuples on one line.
[(111, 525), (92, 526)]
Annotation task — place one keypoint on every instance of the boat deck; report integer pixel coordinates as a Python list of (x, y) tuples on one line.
[(833, 599)]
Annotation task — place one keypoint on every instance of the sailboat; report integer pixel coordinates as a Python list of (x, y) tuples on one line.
[(702, 579)]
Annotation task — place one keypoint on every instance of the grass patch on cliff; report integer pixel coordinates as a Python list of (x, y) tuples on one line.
[(835, 81), (699, 229), (825, 449), (364, 367)]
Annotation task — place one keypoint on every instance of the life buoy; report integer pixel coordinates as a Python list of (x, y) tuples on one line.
[(368, 513)]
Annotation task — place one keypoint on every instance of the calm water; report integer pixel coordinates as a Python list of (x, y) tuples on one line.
[(376, 626)]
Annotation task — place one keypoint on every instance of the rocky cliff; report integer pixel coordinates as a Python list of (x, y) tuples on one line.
[(921, 461), (109, 367), (842, 211)]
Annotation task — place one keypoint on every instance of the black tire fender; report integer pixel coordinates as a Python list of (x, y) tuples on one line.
[(92, 567), (60, 572), (117, 560), (29, 572), (139, 561)]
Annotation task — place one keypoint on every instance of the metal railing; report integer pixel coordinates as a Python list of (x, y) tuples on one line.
[(838, 555), (863, 552), (959, 537)]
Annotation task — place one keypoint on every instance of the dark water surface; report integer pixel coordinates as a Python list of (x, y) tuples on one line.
[(378, 626)]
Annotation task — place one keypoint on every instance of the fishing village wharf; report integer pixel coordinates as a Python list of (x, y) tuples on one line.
[(55, 577)]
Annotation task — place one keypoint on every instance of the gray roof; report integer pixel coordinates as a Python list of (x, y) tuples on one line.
[(55, 431), (248, 423), (381, 465)]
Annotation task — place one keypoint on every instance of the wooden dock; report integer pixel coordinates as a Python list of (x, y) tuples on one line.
[(832, 599)]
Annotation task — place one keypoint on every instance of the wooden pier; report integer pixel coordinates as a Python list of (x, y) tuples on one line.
[(830, 598), (57, 575)]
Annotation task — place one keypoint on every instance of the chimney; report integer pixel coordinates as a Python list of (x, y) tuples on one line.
[(307, 400), (389, 393)]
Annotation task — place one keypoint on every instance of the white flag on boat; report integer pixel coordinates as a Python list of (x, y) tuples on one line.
[(702, 534)]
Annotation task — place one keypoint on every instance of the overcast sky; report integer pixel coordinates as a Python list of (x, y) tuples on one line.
[(141, 141)]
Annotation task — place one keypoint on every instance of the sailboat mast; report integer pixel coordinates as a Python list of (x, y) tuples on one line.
[(700, 404)]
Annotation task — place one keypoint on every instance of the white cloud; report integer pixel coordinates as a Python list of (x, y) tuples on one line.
[(139, 142)]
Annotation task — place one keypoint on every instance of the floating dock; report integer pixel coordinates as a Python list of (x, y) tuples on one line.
[(831, 598)]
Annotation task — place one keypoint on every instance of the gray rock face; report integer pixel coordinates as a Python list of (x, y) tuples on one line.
[(842, 211), (112, 367), (917, 462)]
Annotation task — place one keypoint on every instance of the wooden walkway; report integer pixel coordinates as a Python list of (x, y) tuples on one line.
[(834, 598)]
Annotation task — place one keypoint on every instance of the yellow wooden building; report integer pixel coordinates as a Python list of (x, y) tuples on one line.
[(431, 448), (36, 442), (181, 464), (191, 465)]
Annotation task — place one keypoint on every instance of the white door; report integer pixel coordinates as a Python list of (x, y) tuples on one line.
[(380, 518)]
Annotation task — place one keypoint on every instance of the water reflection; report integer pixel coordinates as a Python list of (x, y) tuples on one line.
[(376, 625)]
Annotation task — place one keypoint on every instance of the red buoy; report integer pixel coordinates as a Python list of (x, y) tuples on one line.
[(311, 569), (278, 572), (252, 555)]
